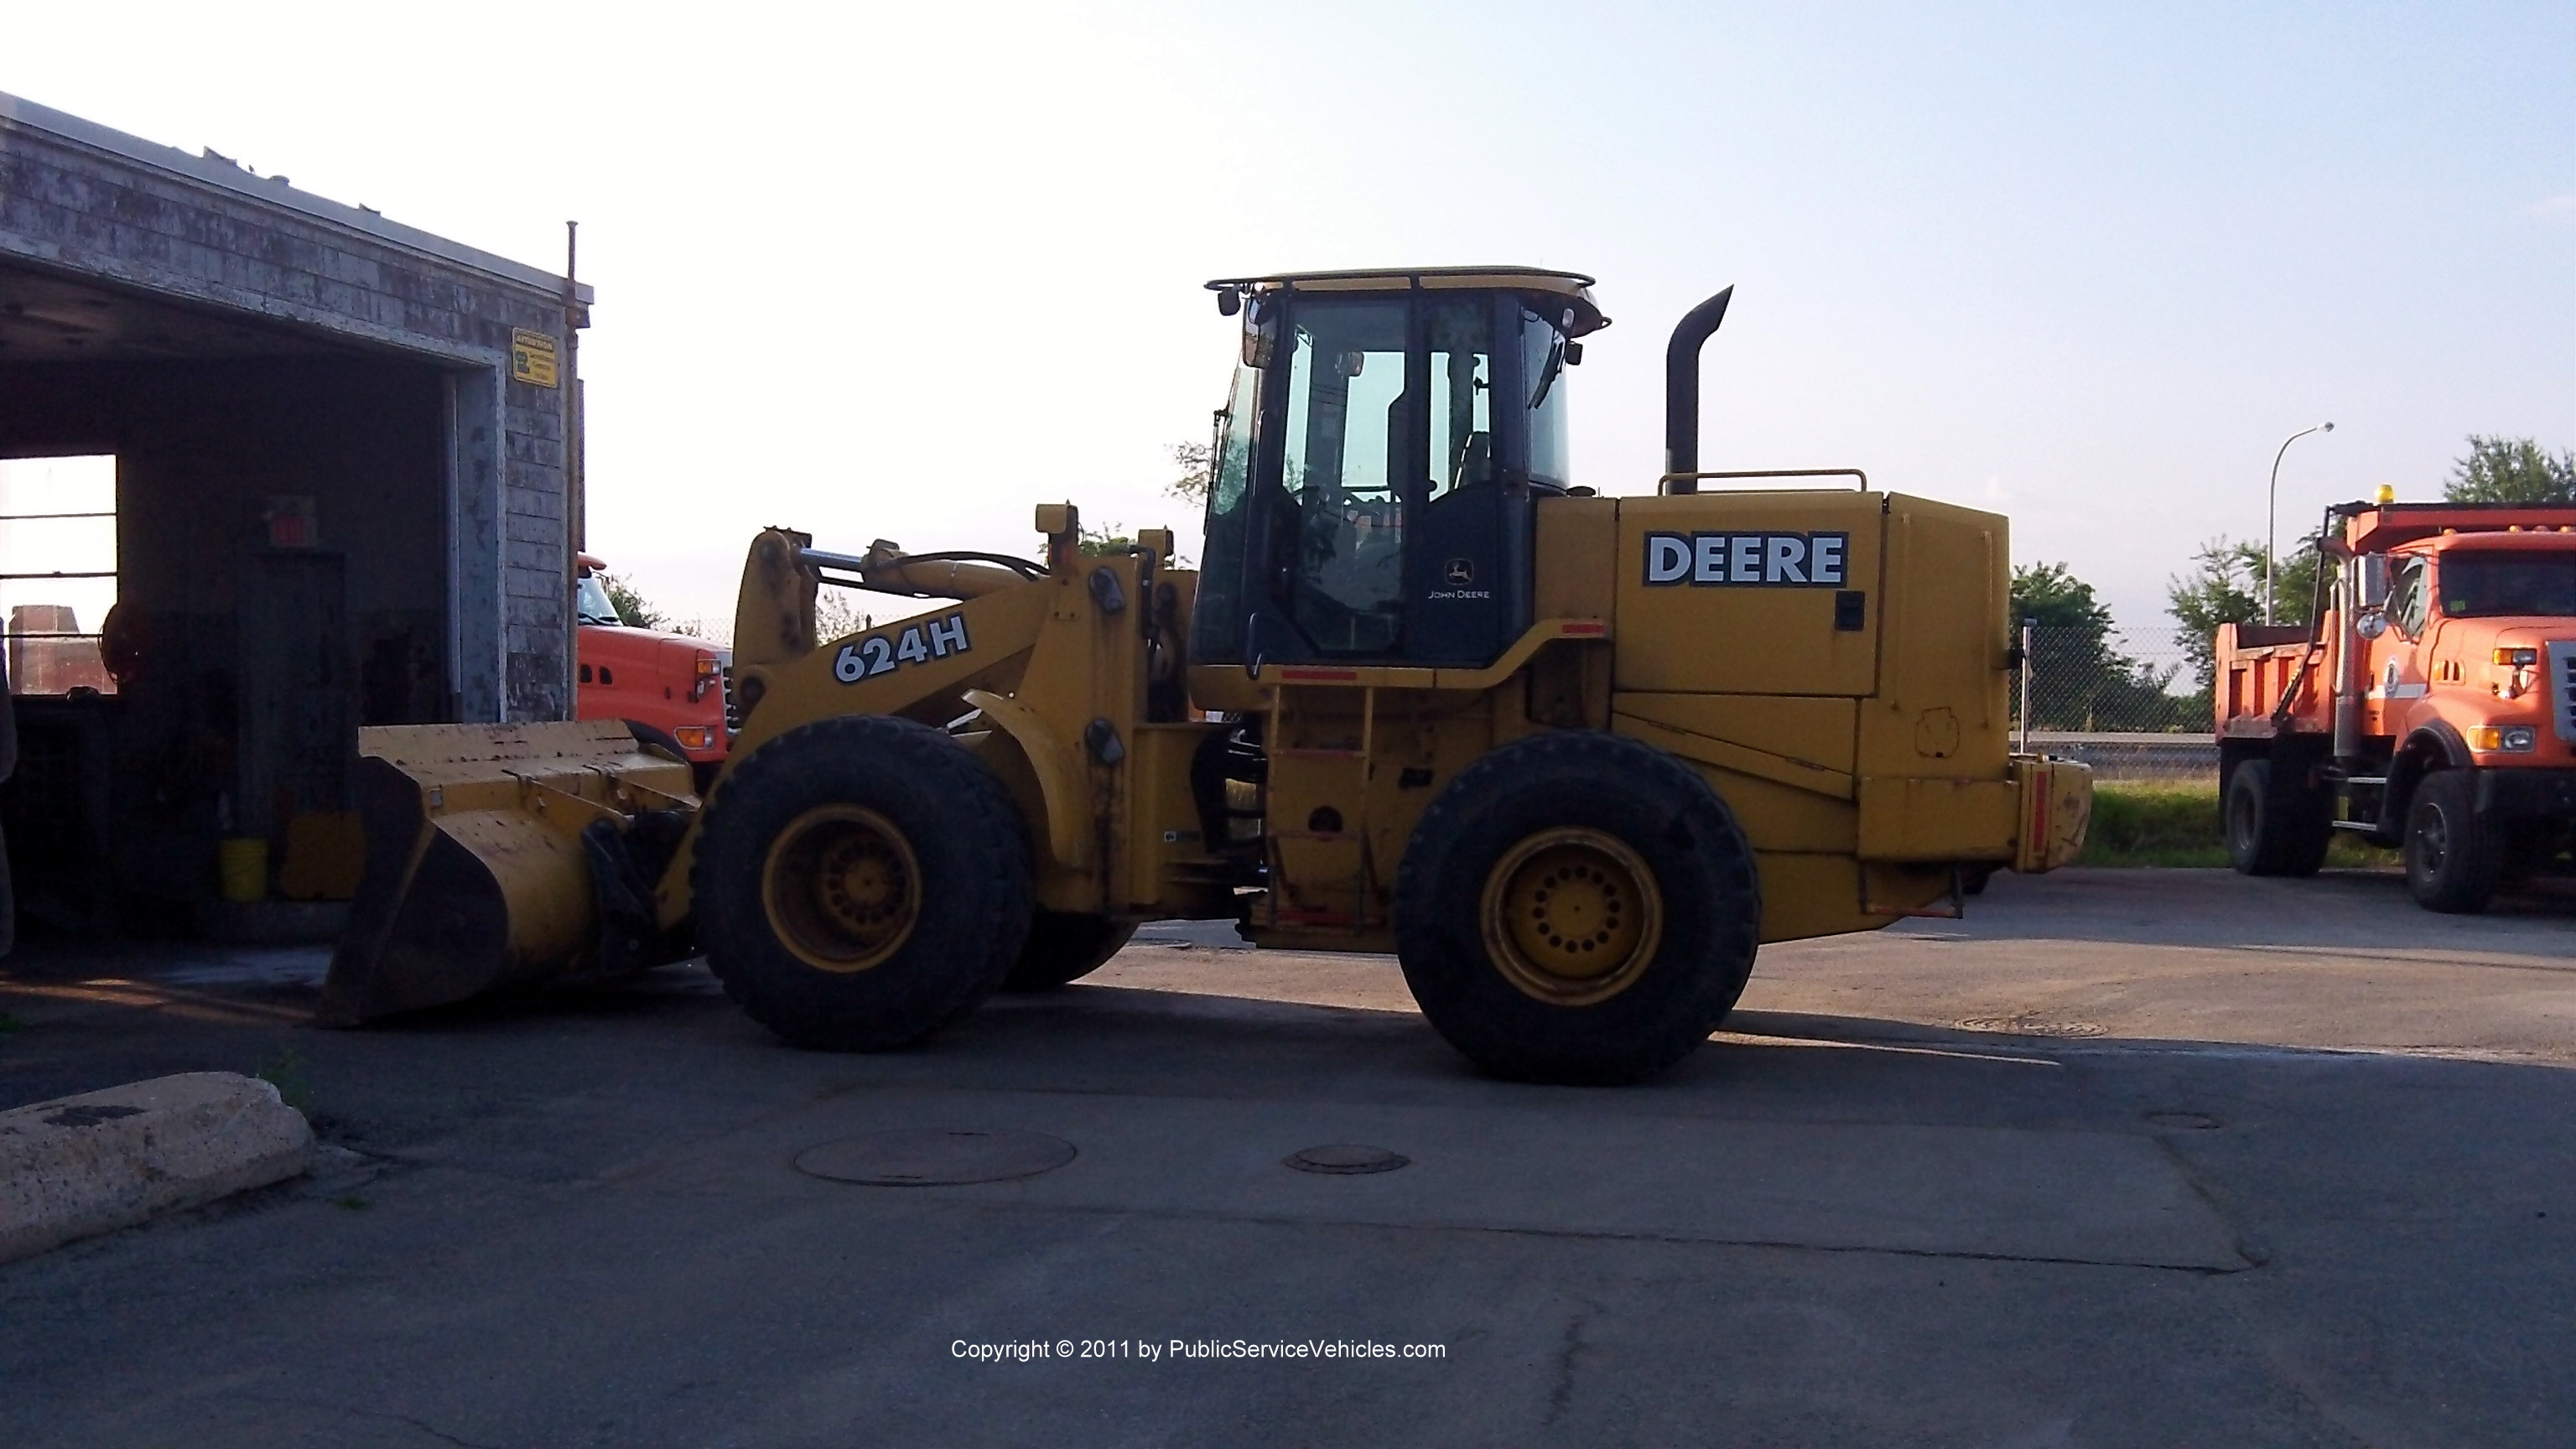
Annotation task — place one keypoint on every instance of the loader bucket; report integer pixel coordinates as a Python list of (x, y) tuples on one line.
[(501, 855)]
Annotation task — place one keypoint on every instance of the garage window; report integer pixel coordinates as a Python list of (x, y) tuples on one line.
[(57, 571)]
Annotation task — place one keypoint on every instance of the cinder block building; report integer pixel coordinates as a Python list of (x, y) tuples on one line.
[(271, 468)]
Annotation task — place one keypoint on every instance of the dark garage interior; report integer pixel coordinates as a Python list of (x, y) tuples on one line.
[(280, 579)]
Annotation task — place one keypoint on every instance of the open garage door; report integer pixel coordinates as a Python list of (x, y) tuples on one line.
[(223, 548)]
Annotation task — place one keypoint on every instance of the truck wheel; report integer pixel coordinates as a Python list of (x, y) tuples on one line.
[(1577, 907), (1065, 946), (861, 883), (2452, 857), (2275, 829)]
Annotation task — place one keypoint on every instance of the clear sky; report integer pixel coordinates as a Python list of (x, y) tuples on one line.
[(902, 271)]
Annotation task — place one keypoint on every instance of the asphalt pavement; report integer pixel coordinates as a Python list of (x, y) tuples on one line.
[(2137, 1157)]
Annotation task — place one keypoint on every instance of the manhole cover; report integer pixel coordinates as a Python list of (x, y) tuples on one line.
[(929, 1156), (1345, 1159), (2183, 1121), (2030, 1026)]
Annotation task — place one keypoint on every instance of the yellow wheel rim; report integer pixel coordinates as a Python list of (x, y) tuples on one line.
[(841, 888), (1572, 916)]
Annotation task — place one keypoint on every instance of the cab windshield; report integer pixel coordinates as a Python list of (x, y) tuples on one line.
[(591, 603), (2489, 585)]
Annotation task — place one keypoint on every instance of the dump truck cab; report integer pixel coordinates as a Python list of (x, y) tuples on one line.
[(2430, 704), (2466, 653), (672, 683)]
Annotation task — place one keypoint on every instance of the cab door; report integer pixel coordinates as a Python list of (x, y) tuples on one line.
[(1330, 508), (2398, 656)]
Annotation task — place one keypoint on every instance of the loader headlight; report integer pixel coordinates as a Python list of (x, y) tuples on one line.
[(2506, 739)]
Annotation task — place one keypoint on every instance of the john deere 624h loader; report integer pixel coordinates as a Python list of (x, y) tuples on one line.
[(1570, 758)]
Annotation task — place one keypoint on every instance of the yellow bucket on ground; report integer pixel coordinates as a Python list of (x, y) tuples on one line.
[(241, 868)]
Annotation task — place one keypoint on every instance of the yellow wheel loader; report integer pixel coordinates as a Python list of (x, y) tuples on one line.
[(1570, 758)]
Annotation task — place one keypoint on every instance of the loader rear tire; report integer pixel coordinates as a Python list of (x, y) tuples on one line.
[(2275, 826), (2454, 860), (1064, 947), (861, 882), (1577, 907)]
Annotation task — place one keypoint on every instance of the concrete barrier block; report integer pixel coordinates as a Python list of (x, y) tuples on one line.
[(104, 1160)]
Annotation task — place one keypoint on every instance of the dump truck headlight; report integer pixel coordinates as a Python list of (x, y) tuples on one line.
[(697, 737), (2518, 658), (2507, 739)]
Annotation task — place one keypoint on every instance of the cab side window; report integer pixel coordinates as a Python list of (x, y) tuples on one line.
[(2407, 597), (1462, 403)]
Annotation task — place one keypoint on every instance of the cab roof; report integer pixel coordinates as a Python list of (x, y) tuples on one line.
[(1573, 287), (2377, 528)]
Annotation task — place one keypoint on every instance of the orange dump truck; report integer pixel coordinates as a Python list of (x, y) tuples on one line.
[(2429, 702), (671, 682)]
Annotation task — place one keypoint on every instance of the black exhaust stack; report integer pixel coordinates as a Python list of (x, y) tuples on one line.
[(1681, 389)]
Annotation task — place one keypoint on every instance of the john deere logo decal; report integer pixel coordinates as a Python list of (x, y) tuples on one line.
[(1777, 560), (1458, 571)]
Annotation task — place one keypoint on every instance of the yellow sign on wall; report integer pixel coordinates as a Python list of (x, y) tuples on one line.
[(532, 358)]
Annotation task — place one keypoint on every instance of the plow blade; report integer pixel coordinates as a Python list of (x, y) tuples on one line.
[(501, 855)]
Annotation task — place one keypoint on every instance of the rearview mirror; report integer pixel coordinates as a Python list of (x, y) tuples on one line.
[(1260, 332), (2371, 622)]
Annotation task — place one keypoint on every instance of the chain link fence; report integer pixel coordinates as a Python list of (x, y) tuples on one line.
[(2132, 703)]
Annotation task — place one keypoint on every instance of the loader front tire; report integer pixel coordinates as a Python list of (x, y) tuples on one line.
[(1577, 907), (1064, 947), (861, 882)]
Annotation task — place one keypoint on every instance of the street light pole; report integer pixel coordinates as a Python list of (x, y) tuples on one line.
[(2272, 512)]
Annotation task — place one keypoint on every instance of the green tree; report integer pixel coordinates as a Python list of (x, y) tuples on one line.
[(2080, 680), (632, 606), (2225, 586), (1196, 461), (835, 615), (1113, 539), (2511, 470)]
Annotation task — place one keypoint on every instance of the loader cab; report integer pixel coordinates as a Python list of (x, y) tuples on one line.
[(1378, 462)]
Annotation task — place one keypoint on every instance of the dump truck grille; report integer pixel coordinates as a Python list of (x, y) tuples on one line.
[(732, 710), (2562, 687)]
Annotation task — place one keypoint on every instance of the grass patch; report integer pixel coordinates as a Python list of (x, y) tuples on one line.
[(2178, 825)]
